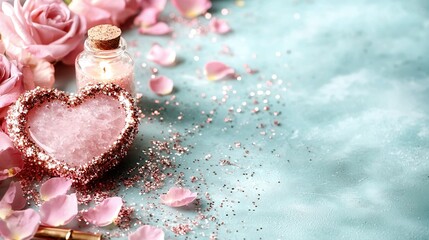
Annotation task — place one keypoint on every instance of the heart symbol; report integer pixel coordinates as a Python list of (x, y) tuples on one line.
[(79, 137)]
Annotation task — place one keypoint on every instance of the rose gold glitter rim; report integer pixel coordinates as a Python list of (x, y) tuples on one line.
[(40, 162)]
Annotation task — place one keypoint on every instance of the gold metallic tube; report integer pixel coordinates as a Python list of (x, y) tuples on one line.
[(64, 234)]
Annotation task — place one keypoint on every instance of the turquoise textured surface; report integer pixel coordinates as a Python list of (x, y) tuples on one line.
[(341, 153)]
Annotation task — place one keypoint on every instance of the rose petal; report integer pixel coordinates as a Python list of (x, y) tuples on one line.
[(71, 57), (161, 85), (217, 70), (11, 85), (6, 202), (158, 4), (36, 71), (147, 17), (219, 26), (98, 12), (5, 210), (2, 47), (59, 210), (42, 74), (161, 56), (19, 200), (13, 199), (192, 8), (177, 197), (104, 213), (54, 187), (20, 225), (10, 158), (159, 28), (147, 232), (93, 14)]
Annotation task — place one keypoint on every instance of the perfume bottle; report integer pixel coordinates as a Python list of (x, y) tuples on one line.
[(105, 59)]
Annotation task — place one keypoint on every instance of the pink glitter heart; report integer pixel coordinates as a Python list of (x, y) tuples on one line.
[(78, 137)]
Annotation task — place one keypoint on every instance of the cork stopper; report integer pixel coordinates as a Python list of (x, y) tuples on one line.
[(104, 37)]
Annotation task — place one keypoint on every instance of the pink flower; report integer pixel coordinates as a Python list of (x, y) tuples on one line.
[(104, 213), (45, 28), (161, 85), (217, 70), (147, 232), (219, 26), (11, 85), (178, 197), (105, 12), (192, 8), (20, 225), (10, 158)]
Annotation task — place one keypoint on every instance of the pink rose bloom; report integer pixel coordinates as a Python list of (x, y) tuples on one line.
[(45, 28), (10, 158), (105, 12), (11, 85)]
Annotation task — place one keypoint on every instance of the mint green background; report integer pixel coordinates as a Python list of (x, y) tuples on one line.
[(350, 159)]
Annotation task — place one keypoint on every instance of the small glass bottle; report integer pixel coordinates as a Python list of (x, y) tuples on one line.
[(105, 59)]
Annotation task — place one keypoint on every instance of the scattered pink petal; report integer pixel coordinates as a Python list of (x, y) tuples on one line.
[(158, 4), (147, 232), (5, 209), (148, 23), (59, 210), (104, 213), (161, 85), (217, 70), (54, 187), (147, 18), (14, 196), (219, 26), (13, 199), (159, 28), (19, 200), (11, 161), (161, 56), (177, 197), (20, 225), (192, 8)]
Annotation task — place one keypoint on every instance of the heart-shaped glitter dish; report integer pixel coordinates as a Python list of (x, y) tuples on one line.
[(75, 136)]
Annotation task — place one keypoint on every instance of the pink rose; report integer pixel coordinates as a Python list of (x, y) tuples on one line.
[(11, 85), (105, 12), (10, 158), (45, 28)]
